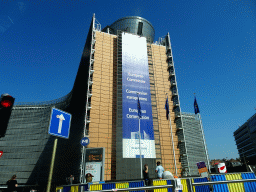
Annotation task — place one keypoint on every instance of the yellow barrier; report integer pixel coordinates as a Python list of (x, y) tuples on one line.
[(58, 188), (122, 185), (235, 187), (184, 184), (194, 189), (160, 182), (74, 188), (96, 187)]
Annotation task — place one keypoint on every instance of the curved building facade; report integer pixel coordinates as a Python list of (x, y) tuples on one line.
[(27, 147), (135, 25)]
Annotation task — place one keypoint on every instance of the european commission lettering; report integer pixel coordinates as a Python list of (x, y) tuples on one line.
[(136, 80), (135, 75), (136, 98), (136, 110), (136, 92), (136, 117)]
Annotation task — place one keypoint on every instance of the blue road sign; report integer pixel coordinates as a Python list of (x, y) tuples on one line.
[(59, 123), (85, 141)]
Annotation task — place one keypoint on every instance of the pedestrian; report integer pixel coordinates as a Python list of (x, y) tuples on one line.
[(159, 170), (88, 177), (12, 184), (71, 179), (145, 174)]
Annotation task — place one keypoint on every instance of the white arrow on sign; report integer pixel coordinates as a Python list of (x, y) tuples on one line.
[(61, 118)]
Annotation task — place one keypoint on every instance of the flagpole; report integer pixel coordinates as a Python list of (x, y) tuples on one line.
[(140, 152), (204, 143), (139, 115), (173, 148), (200, 120), (173, 143)]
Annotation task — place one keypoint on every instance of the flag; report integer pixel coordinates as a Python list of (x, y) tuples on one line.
[(139, 108), (196, 107), (167, 108)]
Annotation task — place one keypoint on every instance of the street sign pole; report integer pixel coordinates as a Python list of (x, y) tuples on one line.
[(52, 164), (59, 127)]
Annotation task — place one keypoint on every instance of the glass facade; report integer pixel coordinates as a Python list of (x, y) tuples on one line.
[(27, 146), (27, 141), (245, 138), (195, 146), (132, 25)]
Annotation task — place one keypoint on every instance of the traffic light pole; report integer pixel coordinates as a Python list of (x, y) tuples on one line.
[(52, 165)]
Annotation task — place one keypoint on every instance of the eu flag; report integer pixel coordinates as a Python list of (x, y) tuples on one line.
[(196, 107), (167, 108), (139, 108)]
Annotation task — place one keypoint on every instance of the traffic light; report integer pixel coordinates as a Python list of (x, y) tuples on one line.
[(6, 104)]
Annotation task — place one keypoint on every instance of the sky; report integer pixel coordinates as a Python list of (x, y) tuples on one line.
[(213, 45)]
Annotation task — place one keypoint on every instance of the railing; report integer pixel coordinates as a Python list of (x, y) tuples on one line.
[(97, 25), (171, 72), (177, 114), (137, 188), (173, 82), (189, 184), (223, 182), (31, 188), (169, 54)]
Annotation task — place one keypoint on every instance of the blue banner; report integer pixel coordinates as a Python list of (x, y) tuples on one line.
[(135, 81)]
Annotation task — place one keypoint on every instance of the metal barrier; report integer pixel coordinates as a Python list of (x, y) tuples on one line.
[(137, 188), (223, 182), (203, 188), (71, 188), (197, 187), (21, 187), (99, 186), (232, 182)]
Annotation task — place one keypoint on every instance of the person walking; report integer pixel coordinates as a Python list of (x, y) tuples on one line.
[(159, 170), (71, 179), (12, 184), (145, 174)]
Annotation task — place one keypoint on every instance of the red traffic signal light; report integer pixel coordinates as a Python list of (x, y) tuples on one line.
[(7, 101), (6, 104)]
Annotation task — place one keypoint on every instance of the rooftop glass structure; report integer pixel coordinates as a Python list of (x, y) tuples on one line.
[(135, 25)]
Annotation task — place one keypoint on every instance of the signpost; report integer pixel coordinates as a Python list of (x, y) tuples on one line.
[(85, 141), (59, 123), (59, 126)]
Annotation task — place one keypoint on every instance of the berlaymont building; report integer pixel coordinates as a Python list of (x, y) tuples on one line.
[(120, 63)]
